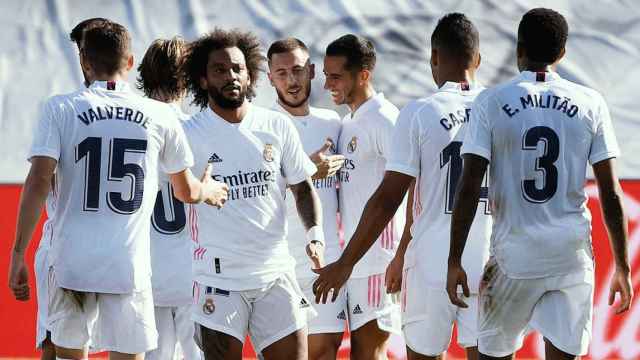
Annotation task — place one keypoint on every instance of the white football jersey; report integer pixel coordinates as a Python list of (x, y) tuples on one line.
[(243, 245), (47, 227), (426, 145), (314, 129), (539, 131), (365, 141), (109, 143), (171, 245)]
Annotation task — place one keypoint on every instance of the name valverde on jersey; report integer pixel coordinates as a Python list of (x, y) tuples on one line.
[(243, 246), (314, 129), (426, 145), (365, 141), (539, 132), (109, 143)]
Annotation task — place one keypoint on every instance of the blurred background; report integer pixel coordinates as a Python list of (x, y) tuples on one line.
[(37, 60)]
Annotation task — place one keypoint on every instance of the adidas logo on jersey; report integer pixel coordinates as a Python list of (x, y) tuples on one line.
[(342, 315), (357, 310), (215, 158), (303, 303)]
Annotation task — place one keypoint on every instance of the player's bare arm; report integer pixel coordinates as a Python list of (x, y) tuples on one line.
[(376, 215), (616, 222), (464, 210), (310, 212), (327, 164), (393, 275), (34, 195), (190, 190)]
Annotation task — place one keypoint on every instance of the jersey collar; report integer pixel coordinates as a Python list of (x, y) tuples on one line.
[(374, 102), (542, 76), (110, 85), (460, 86)]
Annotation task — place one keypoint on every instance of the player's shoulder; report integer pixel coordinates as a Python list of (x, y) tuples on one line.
[(590, 95), (327, 117), (271, 117), (417, 107)]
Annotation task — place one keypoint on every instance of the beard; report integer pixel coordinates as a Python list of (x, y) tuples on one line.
[(281, 97), (225, 102)]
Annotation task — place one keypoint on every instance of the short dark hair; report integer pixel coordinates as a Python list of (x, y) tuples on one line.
[(197, 58), (359, 52), (76, 35), (542, 34), (286, 45), (107, 48), (159, 70), (456, 35)]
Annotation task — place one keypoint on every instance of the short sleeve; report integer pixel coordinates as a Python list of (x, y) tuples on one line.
[(296, 164), (478, 135), (383, 131), (176, 155), (404, 156), (604, 144), (46, 140)]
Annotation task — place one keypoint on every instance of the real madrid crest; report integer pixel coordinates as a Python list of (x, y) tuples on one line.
[(268, 152), (353, 144), (208, 307), (332, 148)]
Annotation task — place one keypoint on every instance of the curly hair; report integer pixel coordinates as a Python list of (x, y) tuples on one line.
[(196, 59), (457, 35), (159, 72), (543, 33)]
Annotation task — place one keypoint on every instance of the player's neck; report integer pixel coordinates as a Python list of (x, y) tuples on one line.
[(231, 115), (360, 96), (119, 76), (534, 66), (457, 76), (302, 110)]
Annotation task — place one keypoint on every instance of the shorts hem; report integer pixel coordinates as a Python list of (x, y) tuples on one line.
[(422, 351), (290, 330), (376, 317), (223, 329), (325, 330), (560, 346)]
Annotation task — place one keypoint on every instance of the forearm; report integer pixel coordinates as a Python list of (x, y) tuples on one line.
[(406, 233), (379, 210), (32, 199), (186, 187), (616, 223), (308, 204)]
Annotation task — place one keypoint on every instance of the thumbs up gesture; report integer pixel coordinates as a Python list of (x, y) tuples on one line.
[(214, 193), (327, 164)]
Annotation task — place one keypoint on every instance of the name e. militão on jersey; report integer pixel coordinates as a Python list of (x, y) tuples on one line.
[(554, 102)]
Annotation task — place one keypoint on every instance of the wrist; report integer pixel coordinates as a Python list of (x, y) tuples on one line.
[(454, 261), (623, 268), (315, 234)]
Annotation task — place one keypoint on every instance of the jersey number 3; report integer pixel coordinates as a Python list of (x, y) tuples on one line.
[(544, 164), (90, 150)]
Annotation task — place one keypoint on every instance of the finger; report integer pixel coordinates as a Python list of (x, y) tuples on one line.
[(326, 146), (336, 158), (612, 294), (335, 294), (465, 288), (625, 301), (207, 172), (317, 271)]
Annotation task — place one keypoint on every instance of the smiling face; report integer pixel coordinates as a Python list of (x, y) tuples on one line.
[(339, 81), (227, 80), (291, 73)]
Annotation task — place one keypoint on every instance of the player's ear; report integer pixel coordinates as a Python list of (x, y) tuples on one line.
[(130, 62), (434, 57), (365, 76), (270, 79), (478, 60), (312, 71)]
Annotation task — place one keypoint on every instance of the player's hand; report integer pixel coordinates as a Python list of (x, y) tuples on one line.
[(393, 276), (621, 283), (332, 278), (215, 192), (327, 164), (315, 251), (19, 277), (457, 276)]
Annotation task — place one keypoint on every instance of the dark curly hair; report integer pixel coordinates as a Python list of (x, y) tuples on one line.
[(159, 72), (195, 63), (542, 34)]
